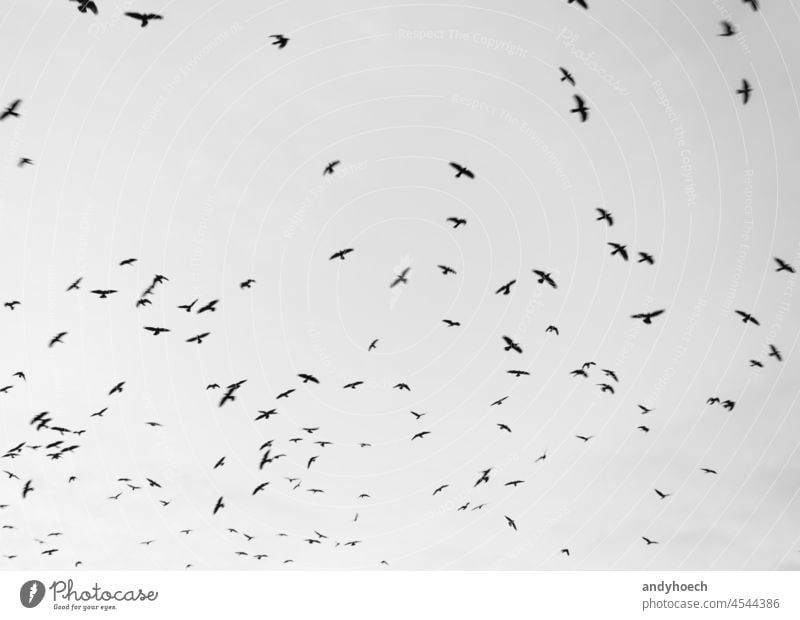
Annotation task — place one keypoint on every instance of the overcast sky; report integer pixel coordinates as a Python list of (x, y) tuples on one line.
[(198, 147)]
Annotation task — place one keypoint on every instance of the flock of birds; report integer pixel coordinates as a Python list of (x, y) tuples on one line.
[(53, 440)]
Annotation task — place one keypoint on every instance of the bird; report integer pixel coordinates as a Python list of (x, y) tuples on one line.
[(461, 170), (311, 461), (24, 161), (644, 410), (584, 438), (99, 414), (188, 307), (712, 401), (103, 293), (308, 378), (728, 404), (157, 330), (483, 478), (747, 317), (518, 373), (127, 261), (566, 76), (579, 372), (401, 278), (745, 91), (440, 489), (341, 254), (648, 541), (86, 5), (644, 257), (450, 323), (662, 495), (506, 288), (27, 489), (564, 551), (417, 416), (420, 435), (728, 29), (211, 306), (773, 352), (402, 386), (247, 283), (604, 215), (756, 364), (285, 394), (352, 385), (219, 505), (513, 483), (783, 265), (551, 329), (57, 338), (12, 304), (117, 388), (499, 401), (705, 470), (329, 168), (644, 429), (610, 373), (372, 345), (580, 105), (511, 523), (19, 374), (545, 277), (75, 285), (457, 221), (753, 4), (511, 345), (605, 387), (620, 249), (581, 3), (198, 338), (280, 40), (11, 110), (647, 317), (144, 18), (219, 463), (265, 415), (446, 270), (504, 427)]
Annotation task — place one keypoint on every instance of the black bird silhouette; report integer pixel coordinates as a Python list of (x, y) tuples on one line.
[(308, 378), (484, 477), (518, 373), (417, 416), (644, 429), (581, 3), (511, 523), (265, 415), (580, 107), (644, 257), (117, 388), (551, 329), (27, 489), (247, 283), (402, 386), (329, 168), (158, 330), (211, 306), (648, 541), (188, 307), (584, 438), (285, 394), (728, 404), (219, 505), (57, 338), (705, 470), (753, 4), (503, 427), (353, 385), (644, 410), (662, 495), (745, 91), (75, 285), (545, 277), (440, 489), (341, 254), (513, 483), (747, 317), (604, 215), (610, 373), (103, 293), (24, 161), (566, 76), (773, 352), (712, 401), (565, 551), (11, 110), (19, 374), (212, 386), (728, 29), (280, 40), (144, 18), (461, 170), (128, 261), (647, 317), (511, 345), (622, 250), (420, 435), (143, 302), (219, 463), (199, 338), (86, 5), (401, 278), (451, 323), (605, 387), (457, 221), (783, 265), (506, 288), (756, 364), (11, 304), (445, 269), (579, 372), (499, 401)]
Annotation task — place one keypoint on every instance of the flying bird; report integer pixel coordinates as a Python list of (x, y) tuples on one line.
[(247, 283), (604, 215), (566, 76), (446, 270), (461, 170), (11, 110), (511, 523), (199, 338), (457, 221), (280, 40), (647, 317), (545, 277), (157, 330), (24, 161), (581, 3), (219, 505), (57, 338), (506, 288), (745, 91), (75, 285), (329, 168), (648, 541), (341, 254), (144, 18), (747, 317), (662, 495), (773, 352), (103, 293), (580, 105), (783, 265), (401, 278), (622, 250), (511, 345), (644, 257), (728, 29)]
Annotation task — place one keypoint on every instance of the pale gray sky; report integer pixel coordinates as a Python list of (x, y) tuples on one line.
[(198, 147)]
